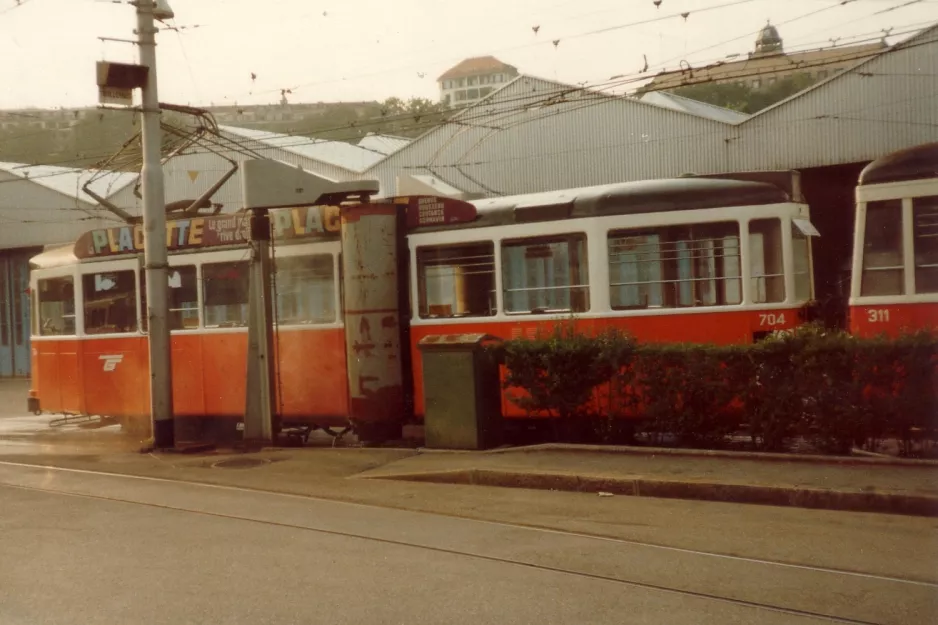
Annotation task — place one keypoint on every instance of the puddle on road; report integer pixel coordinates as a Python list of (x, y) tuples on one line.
[(54, 434)]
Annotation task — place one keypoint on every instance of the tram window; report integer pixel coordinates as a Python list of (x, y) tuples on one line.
[(883, 272), (305, 289), (110, 302), (225, 294), (56, 308), (456, 280), (766, 265), (675, 266), (546, 274), (183, 298), (801, 250), (925, 243)]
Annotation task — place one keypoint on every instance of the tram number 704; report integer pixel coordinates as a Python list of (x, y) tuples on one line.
[(772, 319), (877, 315)]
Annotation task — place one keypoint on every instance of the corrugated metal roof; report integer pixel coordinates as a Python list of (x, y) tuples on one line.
[(346, 155), (694, 107), (69, 181), (383, 144), (536, 135)]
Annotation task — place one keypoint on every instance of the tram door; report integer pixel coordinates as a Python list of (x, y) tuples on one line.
[(14, 314)]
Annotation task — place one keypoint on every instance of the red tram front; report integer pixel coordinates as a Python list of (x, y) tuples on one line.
[(894, 278)]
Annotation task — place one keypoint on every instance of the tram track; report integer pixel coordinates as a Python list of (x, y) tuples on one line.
[(475, 554), (520, 526)]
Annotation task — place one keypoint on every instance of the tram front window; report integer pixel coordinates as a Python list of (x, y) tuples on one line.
[(56, 301), (883, 272), (110, 302)]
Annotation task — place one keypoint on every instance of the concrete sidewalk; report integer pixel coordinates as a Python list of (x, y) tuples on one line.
[(858, 484)]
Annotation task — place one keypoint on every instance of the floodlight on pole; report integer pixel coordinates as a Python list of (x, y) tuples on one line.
[(162, 11)]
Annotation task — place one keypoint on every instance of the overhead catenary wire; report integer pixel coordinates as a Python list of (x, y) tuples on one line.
[(526, 102), (546, 98), (404, 116)]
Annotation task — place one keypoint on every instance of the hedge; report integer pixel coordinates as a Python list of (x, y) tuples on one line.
[(828, 387)]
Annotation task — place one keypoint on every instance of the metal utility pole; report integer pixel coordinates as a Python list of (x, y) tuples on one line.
[(154, 233)]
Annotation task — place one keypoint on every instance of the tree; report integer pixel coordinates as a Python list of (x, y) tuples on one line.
[(410, 118), (742, 97)]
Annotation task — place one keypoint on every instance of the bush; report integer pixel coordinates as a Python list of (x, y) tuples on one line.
[(559, 374), (831, 388), (687, 391)]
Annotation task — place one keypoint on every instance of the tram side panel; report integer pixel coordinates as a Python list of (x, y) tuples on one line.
[(114, 376), (311, 375), (719, 328), (724, 276)]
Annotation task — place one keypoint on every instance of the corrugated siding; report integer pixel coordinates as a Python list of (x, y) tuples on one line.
[(32, 215), (882, 105), (515, 145), (506, 146)]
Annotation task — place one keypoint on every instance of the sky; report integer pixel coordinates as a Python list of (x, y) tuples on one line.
[(358, 50)]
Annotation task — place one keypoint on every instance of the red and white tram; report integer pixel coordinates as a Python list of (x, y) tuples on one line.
[(686, 260), (690, 259), (894, 278)]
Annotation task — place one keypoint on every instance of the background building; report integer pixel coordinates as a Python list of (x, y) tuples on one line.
[(768, 63), (471, 80)]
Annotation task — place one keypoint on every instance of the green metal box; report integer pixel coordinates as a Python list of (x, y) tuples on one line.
[(461, 392)]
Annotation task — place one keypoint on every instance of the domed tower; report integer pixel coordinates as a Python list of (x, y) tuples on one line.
[(768, 42)]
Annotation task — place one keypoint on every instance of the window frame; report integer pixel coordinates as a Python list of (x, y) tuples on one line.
[(903, 214), (334, 249), (134, 264), (78, 316), (567, 235), (333, 291), (667, 276), (175, 262), (911, 251), (419, 290)]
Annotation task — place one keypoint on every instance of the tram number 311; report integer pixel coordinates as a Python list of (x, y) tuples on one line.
[(877, 315), (772, 319)]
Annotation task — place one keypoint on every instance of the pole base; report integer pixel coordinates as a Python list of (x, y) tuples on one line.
[(164, 434)]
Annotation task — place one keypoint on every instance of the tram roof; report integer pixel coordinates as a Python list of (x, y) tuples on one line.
[(915, 163), (60, 256), (628, 198)]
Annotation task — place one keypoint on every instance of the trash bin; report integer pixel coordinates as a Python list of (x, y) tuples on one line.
[(461, 392)]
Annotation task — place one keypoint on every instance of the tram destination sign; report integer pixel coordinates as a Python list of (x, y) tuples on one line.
[(305, 222), (427, 211)]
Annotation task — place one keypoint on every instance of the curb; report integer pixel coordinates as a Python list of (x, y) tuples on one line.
[(730, 455), (852, 501)]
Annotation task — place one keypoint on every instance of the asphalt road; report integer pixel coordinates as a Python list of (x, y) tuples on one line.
[(90, 548)]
